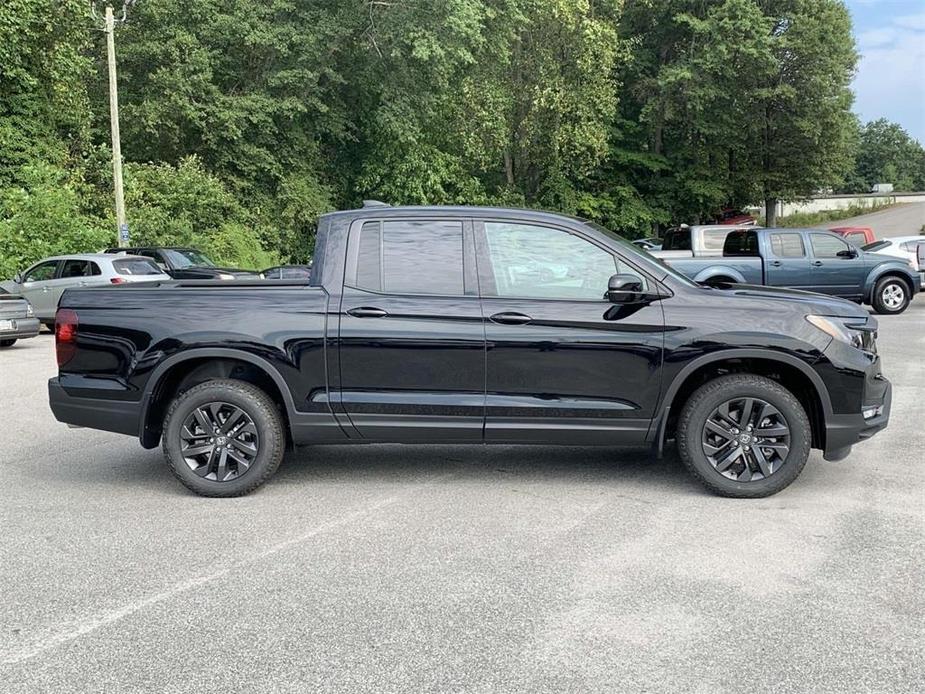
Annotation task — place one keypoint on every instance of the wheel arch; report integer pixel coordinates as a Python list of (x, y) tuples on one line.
[(184, 370), (793, 373), (715, 272), (888, 271)]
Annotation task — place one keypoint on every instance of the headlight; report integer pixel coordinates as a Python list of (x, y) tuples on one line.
[(225, 276), (847, 330)]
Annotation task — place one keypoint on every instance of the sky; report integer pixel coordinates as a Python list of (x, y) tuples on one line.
[(890, 81)]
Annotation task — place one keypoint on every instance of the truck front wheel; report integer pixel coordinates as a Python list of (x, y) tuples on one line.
[(891, 296), (223, 438), (744, 436)]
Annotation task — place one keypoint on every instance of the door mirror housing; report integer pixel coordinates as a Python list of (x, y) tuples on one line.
[(17, 278), (850, 253), (625, 289)]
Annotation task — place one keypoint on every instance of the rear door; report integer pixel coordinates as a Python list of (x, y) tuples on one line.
[(787, 263), (837, 268), (412, 342)]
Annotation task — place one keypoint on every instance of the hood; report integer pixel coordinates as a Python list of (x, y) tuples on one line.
[(9, 287), (216, 270), (821, 304)]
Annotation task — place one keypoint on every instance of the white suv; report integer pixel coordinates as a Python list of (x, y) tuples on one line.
[(45, 282)]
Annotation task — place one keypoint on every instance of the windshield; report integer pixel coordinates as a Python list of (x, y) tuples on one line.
[(634, 252), (186, 257)]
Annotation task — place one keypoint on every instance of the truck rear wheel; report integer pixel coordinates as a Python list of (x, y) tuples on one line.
[(744, 436), (891, 296), (223, 438)]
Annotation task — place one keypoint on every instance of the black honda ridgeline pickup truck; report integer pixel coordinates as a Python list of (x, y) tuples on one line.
[(463, 325)]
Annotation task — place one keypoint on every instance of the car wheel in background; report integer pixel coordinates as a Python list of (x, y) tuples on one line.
[(7, 343), (891, 296), (744, 436), (223, 438)]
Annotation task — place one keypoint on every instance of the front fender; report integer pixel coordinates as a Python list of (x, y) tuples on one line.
[(891, 267)]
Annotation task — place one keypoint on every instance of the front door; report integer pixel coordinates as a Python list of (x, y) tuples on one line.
[(837, 268), (564, 365), (37, 284), (788, 263), (412, 342)]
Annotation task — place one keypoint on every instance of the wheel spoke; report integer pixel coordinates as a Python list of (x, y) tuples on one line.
[(245, 447), (745, 415), (763, 463), (221, 468), (233, 419), (728, 459), (772, 431), (196, 450), (242, 462), (203, 419), (719, 430)]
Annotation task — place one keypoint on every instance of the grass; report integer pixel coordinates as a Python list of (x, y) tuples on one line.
[(808, 219)]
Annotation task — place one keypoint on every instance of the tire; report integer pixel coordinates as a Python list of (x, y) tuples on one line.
[(891, 296), (773, 409), (256, 436), (7, 343)]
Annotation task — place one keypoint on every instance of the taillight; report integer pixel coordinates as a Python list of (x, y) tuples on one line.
[(65, 335), (117, 280)]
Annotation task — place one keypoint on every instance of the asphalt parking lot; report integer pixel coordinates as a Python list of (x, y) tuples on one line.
[(390, 568)]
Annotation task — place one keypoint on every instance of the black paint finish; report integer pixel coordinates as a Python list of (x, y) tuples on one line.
[(353, 364)]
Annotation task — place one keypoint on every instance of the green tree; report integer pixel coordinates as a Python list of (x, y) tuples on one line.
[(888, 154), (808, 133)]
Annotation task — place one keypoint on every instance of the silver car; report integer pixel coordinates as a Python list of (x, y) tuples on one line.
[(45, 282)]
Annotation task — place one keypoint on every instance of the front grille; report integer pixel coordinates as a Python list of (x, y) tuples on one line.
[(12, 308)]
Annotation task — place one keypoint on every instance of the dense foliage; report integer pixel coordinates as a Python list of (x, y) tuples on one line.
[(243, 120)]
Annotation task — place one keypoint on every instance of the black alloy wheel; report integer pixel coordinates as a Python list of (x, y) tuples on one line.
[(223, 437), (219, 441), (743, 435), (746, 439)]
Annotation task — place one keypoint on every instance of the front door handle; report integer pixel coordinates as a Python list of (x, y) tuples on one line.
[(510, 318), (817, 263), (367, 312)]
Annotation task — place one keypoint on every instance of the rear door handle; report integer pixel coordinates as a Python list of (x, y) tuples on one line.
[(817, 263), (776, 263), (510, 318), (367, 312)]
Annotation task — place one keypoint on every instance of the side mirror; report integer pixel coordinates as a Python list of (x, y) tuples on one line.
[(624, 289), (850, 253), (17, 278)]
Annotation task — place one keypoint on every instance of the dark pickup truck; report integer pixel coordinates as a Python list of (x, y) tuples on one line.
[(185, 263), (464, 325), (809, 259)]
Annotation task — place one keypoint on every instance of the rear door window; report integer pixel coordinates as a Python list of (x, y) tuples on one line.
[(77, 268), (136, 267), (411, 257), (787, 245)]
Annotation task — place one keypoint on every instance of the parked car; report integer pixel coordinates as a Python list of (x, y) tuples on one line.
[(696, 241), (287, 272), (45, 282), (808, 259), (186, 263), (859, 236), (413, 330), (909, 248), (650, 244), (17, 319)]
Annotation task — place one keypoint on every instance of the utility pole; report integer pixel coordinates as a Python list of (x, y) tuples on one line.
[(109, 28)]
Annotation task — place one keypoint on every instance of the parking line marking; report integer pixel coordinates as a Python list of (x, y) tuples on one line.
[(90, 625)]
